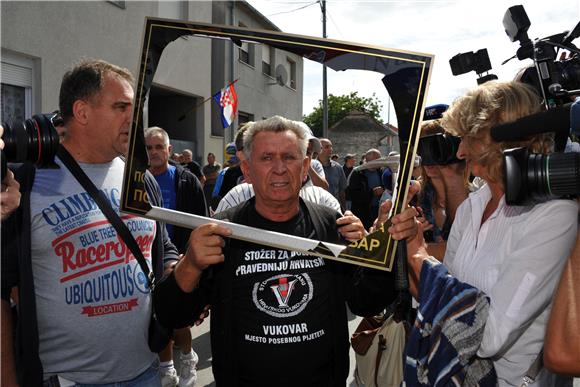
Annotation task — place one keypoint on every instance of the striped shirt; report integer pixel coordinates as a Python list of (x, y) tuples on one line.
[(242, 192), (516, 258)]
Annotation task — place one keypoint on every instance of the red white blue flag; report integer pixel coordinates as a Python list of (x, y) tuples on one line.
[(228, 103)]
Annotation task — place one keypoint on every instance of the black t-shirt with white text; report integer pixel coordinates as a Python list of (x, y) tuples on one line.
[(281, 303)]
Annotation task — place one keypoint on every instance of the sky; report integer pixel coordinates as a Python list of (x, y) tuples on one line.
[(443, 28)]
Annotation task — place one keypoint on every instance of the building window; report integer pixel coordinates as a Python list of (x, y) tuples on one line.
[(244, 117), (13, 103), (246, 52), (292, 68), (16, 90), (267, 60)]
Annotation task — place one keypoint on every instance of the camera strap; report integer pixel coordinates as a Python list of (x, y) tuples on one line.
[(108, 211), (534, 370)]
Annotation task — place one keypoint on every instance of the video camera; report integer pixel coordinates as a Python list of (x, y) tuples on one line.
[(532, 178), (555, 80), (33, 140), (473, 61), (440, 148)]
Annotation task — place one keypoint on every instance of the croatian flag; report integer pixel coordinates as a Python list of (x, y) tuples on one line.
[(228, 103)]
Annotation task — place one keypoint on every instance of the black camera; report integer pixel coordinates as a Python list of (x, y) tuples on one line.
[(473, 61), (532, 178), (34, 140), (554, 79), (438, 149)]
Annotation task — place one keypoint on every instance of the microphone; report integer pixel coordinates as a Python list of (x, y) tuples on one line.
[(553, 120)]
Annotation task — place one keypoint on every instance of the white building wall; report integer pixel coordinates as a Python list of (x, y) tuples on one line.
[(57, 34), (53, 35)]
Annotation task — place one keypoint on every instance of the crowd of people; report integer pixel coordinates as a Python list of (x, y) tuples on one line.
[(76, 309)]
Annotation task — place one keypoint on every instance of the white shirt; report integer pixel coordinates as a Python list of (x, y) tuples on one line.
[(242, 192), (516, 257), (317, 166)]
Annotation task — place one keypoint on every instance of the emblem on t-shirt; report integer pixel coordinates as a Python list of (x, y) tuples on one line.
[(283, 295)]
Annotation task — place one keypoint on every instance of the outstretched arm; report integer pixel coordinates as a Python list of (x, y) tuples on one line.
[(562, 344)]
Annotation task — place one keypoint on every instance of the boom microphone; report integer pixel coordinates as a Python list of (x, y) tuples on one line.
[(553, 120)]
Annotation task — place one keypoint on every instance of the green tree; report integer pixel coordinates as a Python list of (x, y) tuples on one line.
[(339, 106)]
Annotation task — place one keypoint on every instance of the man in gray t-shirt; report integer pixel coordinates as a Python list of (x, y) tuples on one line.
[(91, 300)]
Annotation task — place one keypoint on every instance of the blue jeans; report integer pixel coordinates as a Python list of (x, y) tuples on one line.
[(149, 378)]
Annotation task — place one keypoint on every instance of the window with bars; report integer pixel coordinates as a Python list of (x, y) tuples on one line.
[(267, 60), (16, 89), (246, 52)]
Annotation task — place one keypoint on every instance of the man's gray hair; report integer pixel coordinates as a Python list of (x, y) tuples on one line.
[(157, 131), (275, 124)]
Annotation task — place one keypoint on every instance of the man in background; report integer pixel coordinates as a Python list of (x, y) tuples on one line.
[(210, 171), (316, 174), (193, 167), (181, 191), (348, 166), (365, 189), (333, 172), (234, 175)]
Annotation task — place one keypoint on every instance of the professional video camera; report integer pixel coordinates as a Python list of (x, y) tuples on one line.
[(473, 61), (440, 148), (555, 80), (35, 140), (533, 178)]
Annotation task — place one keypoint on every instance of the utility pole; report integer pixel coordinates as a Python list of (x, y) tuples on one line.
[(324, 90)]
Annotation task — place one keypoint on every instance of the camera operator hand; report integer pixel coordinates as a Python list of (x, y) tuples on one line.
[(9, 196), (561, 349), (10, 190)]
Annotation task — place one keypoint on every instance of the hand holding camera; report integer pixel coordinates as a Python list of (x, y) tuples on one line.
[(9, 195), (10, 189)]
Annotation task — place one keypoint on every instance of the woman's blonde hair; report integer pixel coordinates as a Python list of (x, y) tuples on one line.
[(473, 115)]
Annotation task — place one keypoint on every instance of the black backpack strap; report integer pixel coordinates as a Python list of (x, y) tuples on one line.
[(107, 210), (316, 216), (17, 271)]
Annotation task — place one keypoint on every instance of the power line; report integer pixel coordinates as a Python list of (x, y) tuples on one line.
[(294, 10), (334, 24)]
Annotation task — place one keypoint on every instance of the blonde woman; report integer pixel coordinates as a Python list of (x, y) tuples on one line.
[(515, 254)]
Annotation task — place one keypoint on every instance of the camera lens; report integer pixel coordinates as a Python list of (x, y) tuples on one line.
[(35, 140), (535, 178), (555, 175)]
